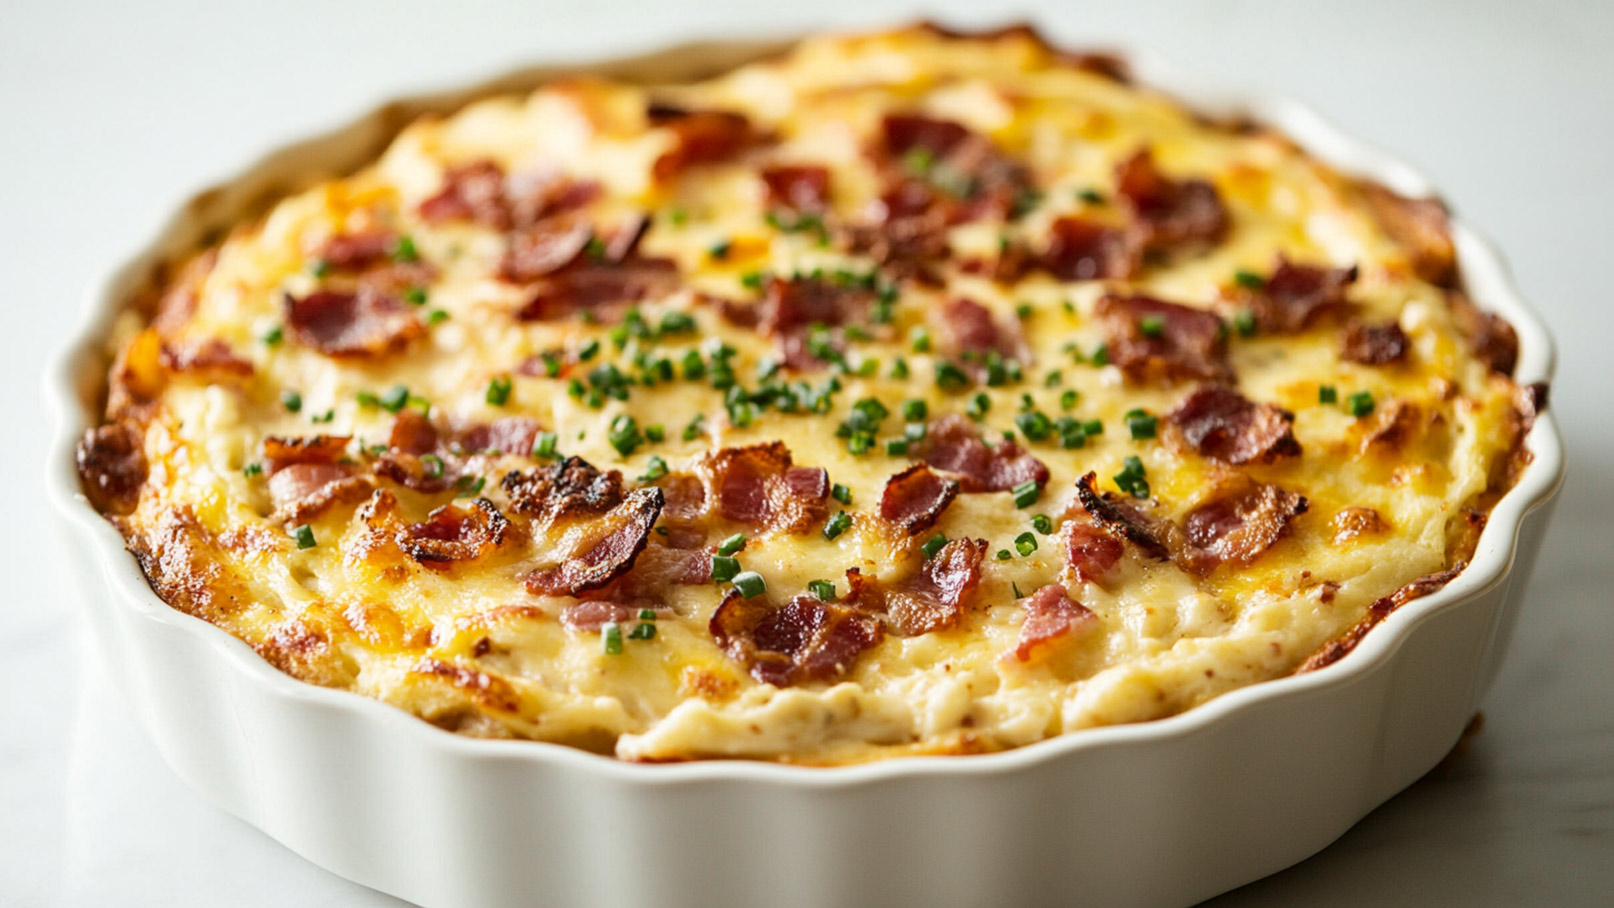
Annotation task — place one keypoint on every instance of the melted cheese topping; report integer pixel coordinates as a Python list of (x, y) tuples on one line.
[(469, 647)]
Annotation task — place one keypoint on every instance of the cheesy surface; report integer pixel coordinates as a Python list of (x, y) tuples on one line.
[(343, 434)]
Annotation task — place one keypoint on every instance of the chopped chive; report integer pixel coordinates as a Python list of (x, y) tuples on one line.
[(468, 487), (919, 339), (677, 323), (415, 295), (1067, 400), (396, 398), (1004, 554), (1093, 427), (545, 446), (654, 469), (750, 584), (978, 406), (1142, 425), (1023, 311), (1101, 355), (1244, 323), (841, 493), (1359, 404), (725, 568), (433, 465), (896, 447), (611, 638), (1131, 479), (860, 442), (732, 544), (1053, 379), (1327, 394), (498, 393), (1025, 544), (252, 469), (915, 410), (1026, 493), (694, 429), (291, 400), (823, 589), (1249, 280), (1152, 326), (655, 433), (933, 545), (588, 350), (404, 250), (273, 336), (1016, 587), (643, 632), (304, 536), (899, 368), (647, 614), (838, 523), (1090, 196), (1035, 425), (1043, 524), (624, 435), (436, 317), (950, 377), (327, 416), (319, 268)]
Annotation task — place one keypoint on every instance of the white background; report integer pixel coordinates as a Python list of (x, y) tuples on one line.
[(112, 112)]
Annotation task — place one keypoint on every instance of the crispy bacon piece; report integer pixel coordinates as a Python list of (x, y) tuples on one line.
[(360, 324), (1421, 227), (932, 599), (571, 487), (1493, 340), (592, 615), (952, 443), (1243, 520), (544, 247), (1089, 552), (451, 533), (760, 485), (1120, 519), (600, 286), (506, 435), (1219, 422), (1051, 616), (1084, 250), (592, 553), (210, 358), (915, 498), (479, 191), (699, 137), (1153, 340), (1294, 295), (790, 308), (1173, 215), (799, 187), (357, 251), (658, 568), (974, 330), (414, 441), (966, 176), (802, 641), (112, 466), (307, 475), (1374, 345)]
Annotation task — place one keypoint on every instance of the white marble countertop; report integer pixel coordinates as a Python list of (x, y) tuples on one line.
[(114, 111)]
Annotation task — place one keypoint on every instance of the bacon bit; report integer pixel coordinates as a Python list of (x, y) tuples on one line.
[(507, 435), (451, 533), (1374, 345), (799, 187), (592, 615), (211, 357), (601, 287), (1191, 343), (1120, 519), (658, 568), (988, 181), (412, 433), (974, 330), (1294, 295), (1173, 214), (932, 599), (1352, 523), (1493, 340), (352, 324), (760, 485), (356, 251), (790, 308), (1421, 227), (592, 553), (1089, 552), (1235, 527), (571, 488), (952, 443), (112, 466), (1219, 422), (1051, 615), (303, 490), (802, 641), (699, 137), (279, 453), (915, 498), (686, 496), (1084, 250), (479, 191), (544, 247)]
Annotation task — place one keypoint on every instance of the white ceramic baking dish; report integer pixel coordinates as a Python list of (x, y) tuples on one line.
[(1156, 814)]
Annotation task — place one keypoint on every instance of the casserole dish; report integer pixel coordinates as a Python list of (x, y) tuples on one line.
[(602, 832)]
